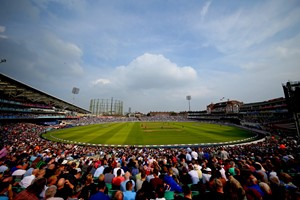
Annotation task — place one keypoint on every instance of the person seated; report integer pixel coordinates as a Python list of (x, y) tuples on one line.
[(116, 181), (129, 194), (100, 194), (169, 180)]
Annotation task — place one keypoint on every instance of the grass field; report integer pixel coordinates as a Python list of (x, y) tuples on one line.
[(149, 133)]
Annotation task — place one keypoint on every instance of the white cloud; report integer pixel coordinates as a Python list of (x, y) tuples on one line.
[(246, 27), (58, 56), (151, 71), (101, 82), (205, 8)]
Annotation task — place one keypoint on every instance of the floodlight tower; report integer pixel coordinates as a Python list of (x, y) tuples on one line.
[(189, 99), (75, 90)]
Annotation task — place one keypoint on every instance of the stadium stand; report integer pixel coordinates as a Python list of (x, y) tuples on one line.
[(20, 102)]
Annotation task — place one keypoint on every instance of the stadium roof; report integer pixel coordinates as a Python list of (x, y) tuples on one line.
[(15, 90)]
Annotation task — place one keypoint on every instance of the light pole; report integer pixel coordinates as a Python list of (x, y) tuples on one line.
[(189, 99), (75, 90)]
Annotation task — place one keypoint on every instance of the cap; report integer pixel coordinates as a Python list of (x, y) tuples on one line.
[(64, 162), (207, 169)]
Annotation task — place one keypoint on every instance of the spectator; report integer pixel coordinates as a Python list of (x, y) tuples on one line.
[(185, 177), (100, 194), (234, 189), (50, 192), (118, 195), (117, 168), (156, 180), (27, 180), (6, 192), (4, 151), (33, 191), (99, 171), (116, 181), (139, 182), (63, 189), (206, 175), (224, 154), (253, 191), (160, 192), (193, 174), (194, 154), (127, 178), (129, 194), (187, 193), (169, 180), (216, 192), (108, 175), (89, 188)]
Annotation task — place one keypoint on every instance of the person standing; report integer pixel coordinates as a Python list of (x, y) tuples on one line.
[(224, 154), (194, 154)]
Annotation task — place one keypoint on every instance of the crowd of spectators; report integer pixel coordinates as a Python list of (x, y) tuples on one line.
[(34, 168)]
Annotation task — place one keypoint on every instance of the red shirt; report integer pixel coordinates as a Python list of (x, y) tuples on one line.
[(118, 180)]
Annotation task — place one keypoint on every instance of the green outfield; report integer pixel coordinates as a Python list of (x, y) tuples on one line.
[(149, 133)]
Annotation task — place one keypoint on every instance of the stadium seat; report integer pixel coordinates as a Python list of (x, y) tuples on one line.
[(109, 186), (169, 195), (194, 193), (111, 193)]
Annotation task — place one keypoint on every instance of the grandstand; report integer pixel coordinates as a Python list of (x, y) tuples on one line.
[(273, 115), (226, 111), (20, 102), (292, 95)]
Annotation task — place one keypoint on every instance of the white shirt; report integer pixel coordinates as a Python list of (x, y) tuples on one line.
[(194, 155), (205, 178), (115, 171), (194, 176), (188, 157), (99, 171), (26, 181), (193, 173), (222, 171)]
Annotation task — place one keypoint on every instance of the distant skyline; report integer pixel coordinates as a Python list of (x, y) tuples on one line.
[(152, 54)]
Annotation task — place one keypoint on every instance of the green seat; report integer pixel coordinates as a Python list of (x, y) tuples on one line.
[(169, 195), (194, 193), (111, 193), (18, 189), (179, 195), (109, 186)]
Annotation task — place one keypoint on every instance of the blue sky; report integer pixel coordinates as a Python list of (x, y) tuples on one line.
[(152, 54)]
